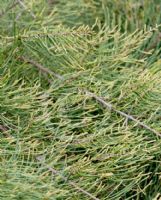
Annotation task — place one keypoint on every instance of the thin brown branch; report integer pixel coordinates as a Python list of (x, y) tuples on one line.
[(97, 98), (71, 183), (130, 117), (43, 69), (3, 128)]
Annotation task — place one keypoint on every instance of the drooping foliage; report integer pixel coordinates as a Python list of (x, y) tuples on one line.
[(57, 141)]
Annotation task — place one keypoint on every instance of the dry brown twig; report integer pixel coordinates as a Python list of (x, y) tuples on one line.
[(3, 128), (97, 98), (130, 117), (41, 68)]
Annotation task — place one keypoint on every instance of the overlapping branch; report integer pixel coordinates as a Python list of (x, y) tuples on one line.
[(97, 98)]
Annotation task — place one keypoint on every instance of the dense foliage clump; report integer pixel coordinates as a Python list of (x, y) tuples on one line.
[(80, 99)]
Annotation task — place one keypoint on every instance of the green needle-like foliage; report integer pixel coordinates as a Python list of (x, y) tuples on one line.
[(80, 100)]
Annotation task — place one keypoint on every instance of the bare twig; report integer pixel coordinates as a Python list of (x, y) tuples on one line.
[(110, 107), (41, 68), (73, 184), (99, 99), (3, 128)]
